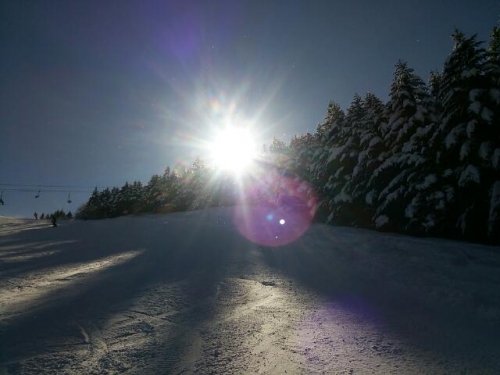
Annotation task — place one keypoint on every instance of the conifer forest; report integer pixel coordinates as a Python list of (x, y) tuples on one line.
[(426, 162)]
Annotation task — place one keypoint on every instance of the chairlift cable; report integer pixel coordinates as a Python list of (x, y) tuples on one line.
[(38, 186), (21, 190)]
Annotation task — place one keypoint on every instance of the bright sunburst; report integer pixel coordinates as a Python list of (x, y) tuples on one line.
[(233, 149)]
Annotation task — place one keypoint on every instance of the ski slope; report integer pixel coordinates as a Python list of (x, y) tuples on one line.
[(186, 293)]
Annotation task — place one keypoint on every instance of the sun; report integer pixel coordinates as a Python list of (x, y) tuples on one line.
[(233, 149)]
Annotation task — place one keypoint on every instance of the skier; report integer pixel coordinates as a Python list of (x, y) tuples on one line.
[(53, 220)]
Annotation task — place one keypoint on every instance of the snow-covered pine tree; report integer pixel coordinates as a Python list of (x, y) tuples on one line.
[(277, 146), (326, 148), (464, 133), (490, 150), (136, 197), (368, 159), (124, 199), (113, 203), (408, 124), (89, 209), (106, 204), (198, 186), (301, 153), (342, 160), (160, 192), (152, 193)]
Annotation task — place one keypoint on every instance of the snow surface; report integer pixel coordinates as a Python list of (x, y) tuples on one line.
[(410, 209), (185, 293), (381, 220), (452, 136), (342, 197), (428, 181), (469, 175), (475, 107)]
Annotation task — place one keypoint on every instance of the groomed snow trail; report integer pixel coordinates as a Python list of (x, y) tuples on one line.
[(185, 293)]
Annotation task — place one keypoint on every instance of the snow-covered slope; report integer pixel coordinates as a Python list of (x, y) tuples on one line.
[(11, 225), (185, 293)]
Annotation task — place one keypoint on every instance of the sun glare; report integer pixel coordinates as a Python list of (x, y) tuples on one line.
[(233, 149)]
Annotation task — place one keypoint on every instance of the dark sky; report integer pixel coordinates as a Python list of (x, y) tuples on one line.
[(100, 92)]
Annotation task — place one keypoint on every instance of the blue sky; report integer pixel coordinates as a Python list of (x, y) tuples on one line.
[(94, 93)]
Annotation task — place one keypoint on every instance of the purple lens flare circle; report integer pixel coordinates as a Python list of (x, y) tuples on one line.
[(275, 210)]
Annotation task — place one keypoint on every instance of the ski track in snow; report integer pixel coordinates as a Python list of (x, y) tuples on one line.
[(185, 293)]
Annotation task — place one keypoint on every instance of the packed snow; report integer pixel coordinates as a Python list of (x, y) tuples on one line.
[(186, 293)]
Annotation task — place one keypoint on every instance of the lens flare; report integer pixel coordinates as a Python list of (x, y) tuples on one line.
[(276, 210)]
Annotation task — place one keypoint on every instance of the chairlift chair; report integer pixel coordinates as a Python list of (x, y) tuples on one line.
[(69, 198), (37, 194)]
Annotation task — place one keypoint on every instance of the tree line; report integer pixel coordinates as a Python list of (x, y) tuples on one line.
[(58, 214), (181, 189), (426, 162)]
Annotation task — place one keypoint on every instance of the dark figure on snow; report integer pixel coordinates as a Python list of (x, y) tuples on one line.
[(53, 220), (35, 215)]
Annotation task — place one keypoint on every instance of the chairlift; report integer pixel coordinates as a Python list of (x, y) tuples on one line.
[(69, 198), (1, 198), (37, 194)]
